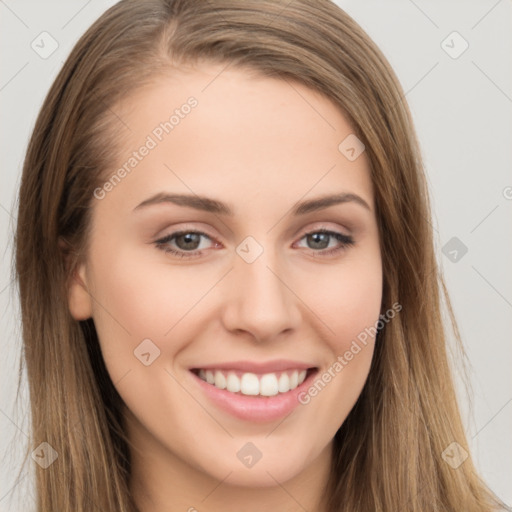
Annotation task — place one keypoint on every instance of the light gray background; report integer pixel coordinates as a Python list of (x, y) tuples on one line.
[(462, 110)]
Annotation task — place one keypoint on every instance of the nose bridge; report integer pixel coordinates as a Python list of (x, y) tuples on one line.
[(261, 301)]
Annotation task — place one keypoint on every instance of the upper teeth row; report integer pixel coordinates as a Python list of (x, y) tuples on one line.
[(250, 384)]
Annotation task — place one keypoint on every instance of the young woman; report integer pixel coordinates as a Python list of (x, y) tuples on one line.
[(230, 297)]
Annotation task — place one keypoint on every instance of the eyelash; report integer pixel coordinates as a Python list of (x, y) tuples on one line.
[(162, 244)]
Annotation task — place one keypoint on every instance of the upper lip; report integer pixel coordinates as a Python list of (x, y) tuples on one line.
[(257, 367)]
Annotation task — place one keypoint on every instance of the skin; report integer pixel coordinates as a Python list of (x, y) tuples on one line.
[(259, 145)]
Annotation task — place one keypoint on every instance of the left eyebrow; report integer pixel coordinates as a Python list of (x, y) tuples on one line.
[(214, 206), (322, 202)]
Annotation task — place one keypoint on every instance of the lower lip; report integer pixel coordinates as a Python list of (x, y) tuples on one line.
[(251, 408)]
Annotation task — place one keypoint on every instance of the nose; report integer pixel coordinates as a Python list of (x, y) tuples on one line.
[(260, 300)]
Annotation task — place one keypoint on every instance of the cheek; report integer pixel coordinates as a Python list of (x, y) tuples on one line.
[(346, 298), (133, 304), (358, 307), (348, 304), (144, 297)]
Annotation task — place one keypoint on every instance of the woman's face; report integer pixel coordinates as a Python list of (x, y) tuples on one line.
[(242, 287)]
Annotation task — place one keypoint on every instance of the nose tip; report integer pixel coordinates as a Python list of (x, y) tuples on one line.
[(260, 301)]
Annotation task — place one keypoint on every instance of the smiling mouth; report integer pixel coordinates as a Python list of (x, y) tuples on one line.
[(253, 384)]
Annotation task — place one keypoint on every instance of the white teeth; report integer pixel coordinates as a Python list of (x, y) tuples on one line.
[(250, 384), (220, 380), (268, 385), (284, 383), (233, 383), (294, 379)]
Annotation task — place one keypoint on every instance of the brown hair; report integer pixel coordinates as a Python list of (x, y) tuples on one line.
[(388, 452)]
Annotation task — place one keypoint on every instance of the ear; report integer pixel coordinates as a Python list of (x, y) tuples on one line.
[(79, 299)]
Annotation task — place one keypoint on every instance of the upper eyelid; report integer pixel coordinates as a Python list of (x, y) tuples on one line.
[(304, 233), (345, 226)]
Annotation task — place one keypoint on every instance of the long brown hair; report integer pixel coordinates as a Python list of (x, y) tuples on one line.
[(388, 452)]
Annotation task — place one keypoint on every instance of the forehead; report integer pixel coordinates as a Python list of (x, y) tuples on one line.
[(213, 130)]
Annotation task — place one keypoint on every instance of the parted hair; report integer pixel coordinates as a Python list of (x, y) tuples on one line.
[(388, 453)]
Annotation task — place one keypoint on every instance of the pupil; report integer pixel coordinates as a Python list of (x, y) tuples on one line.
[(191, 241), (319, 240)]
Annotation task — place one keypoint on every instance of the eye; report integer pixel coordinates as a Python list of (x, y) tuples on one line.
[(184, 244), (188, 244), (320, 241)]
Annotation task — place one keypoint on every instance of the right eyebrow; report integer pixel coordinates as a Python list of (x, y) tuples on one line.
[(192, 201)]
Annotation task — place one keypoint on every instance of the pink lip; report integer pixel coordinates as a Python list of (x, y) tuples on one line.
[(263, 367), (255, 409)]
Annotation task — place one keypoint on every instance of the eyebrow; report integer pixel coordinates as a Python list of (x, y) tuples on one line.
[(213, 206)]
